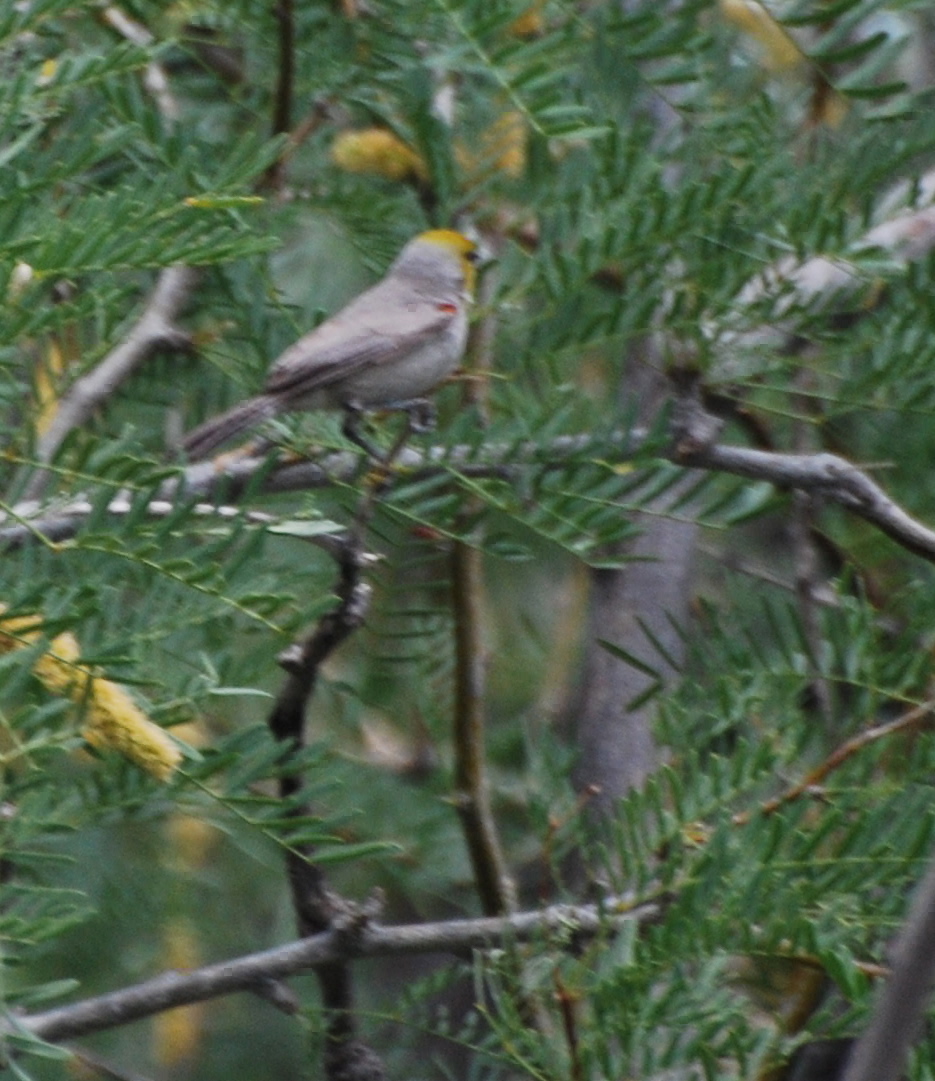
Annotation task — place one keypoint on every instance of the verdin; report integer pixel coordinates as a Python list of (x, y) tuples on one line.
[(392, 344)]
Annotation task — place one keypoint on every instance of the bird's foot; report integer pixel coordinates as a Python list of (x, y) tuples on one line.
[(422, 415)]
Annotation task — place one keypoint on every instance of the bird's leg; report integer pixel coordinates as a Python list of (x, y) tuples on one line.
[(352, 430), (380, 473), (401, 440), (420, 417)]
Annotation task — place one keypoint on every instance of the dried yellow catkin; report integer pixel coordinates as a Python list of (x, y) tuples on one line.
[(779, 50), (111, 718), (779, 53), (530, 23), (500, 148), (377, 152), (46, 380), (178, 1033)]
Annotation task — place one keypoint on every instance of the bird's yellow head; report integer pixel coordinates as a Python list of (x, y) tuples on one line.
[(458, 245)]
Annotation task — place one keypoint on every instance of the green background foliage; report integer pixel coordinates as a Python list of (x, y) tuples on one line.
[(663, 167)]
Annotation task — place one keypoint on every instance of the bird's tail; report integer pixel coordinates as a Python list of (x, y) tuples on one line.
[(206, 438)]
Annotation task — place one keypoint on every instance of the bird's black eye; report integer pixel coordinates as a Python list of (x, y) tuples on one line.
[(472, 256)]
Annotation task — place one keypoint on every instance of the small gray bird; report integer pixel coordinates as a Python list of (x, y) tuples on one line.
[(394, 343)]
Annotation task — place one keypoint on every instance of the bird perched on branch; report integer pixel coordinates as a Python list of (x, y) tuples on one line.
[(394, 343)]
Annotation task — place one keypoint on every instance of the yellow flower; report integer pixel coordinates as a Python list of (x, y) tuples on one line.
[(377, 152), (111, 717)]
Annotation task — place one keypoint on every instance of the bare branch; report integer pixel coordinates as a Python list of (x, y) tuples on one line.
[(232, 476), (907, 235), (176, 988), (317, 907), (155, 328), (880, 1054), (830, 476), (68, 519), (641, 608), (827, 475), (154, 78)]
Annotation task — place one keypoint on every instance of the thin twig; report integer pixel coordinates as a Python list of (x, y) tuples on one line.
[(807, 591), (815, 777), (567, 1002), (303, 131), (284, 11), (459, 937), (824, 596), (805, 555), (156, 328), (494, 883)]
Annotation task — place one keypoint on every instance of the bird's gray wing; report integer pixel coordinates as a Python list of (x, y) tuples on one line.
[(376, 328)]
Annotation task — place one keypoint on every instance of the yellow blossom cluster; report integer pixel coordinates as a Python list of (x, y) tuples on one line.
[(111, 717)]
